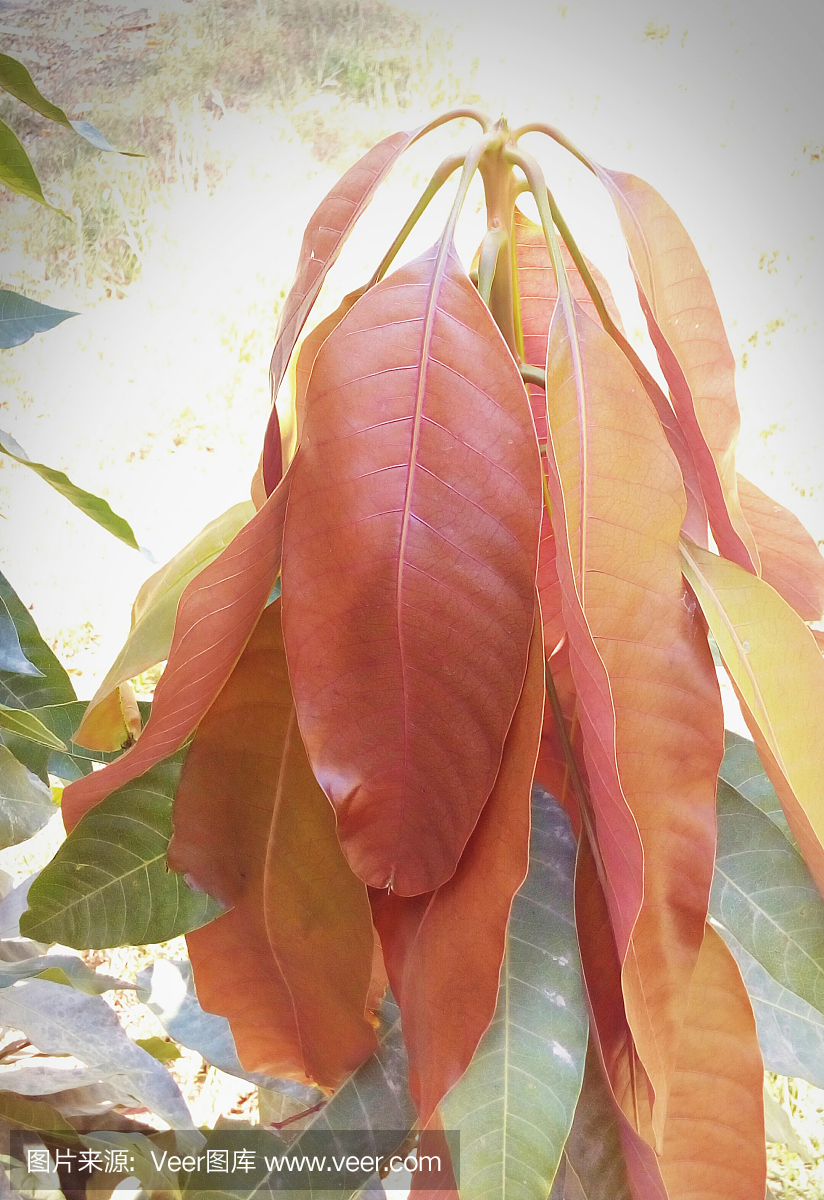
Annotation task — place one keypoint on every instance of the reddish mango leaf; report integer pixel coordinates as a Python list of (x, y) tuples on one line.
[(777, 671), (618, 505), (290, 964), (410, 546), (791, 562), (328, 228), (311, 346), (688, 334), (714, 1144), (447, 998), (215, 617), (538, 292)]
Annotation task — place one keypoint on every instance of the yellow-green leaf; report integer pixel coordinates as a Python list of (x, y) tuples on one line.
[(153, 616), (777, 671), (16, 171), (159, 1048), (27, 725)]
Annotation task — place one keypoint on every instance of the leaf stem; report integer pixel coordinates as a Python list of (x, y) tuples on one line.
[(447, 168), (491, 248), (557, 136)]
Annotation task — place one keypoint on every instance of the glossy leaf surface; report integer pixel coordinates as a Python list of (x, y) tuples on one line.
[(290, 964), (108, 884), (93, 506), (790, 1031), (21, 318), (417, 468), (791, 562), (59, 1020), (447, 1000), (155, 608), (713, 1140), (652, 747), (763, 894), (777, 671), (215, 617), (514, 1107), (688, 333), (25, 801)]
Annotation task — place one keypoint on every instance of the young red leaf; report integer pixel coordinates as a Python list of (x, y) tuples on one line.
[(538, 293), (311, 347), (714, 1145), (791, 562), (410, 553), (290, 964), (618, 505), (688, 333), (215, 617), (443, 950)]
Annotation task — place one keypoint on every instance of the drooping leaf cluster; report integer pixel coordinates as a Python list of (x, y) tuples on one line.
[(501, 553)]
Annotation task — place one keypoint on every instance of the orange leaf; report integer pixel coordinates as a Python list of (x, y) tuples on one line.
[(777, 671), (653, 726), (791, 562), (290, 964), (443, 950), (215, 617), (410, 554), (688, 334), (714, 1145)]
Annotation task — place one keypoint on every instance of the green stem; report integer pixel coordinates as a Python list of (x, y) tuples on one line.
[(490, 253), (557, 136), (447, 168)]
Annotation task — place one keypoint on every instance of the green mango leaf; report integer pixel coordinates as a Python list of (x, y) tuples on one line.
[(108, 884), (22, 1113), (593, 1165), (25, 801), (62, 720), (16, 80), (21, 318), (155, 607), (50, 684), (12, 658), (515, 1105), (60, 968), (159, 1048), (742, 769), (790, 1031), (16, 171), (167, 988), (92, 506), (764, 895), (59, 1020), (26, 725)]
